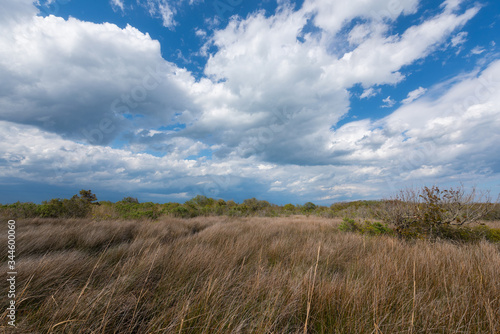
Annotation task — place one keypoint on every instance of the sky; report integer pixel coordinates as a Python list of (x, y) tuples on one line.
[(285, 101)]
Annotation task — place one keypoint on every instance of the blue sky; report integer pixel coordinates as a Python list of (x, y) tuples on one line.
[(287, 101)]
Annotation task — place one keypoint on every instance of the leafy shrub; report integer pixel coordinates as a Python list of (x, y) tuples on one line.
[(376, 228), (20, 210), (184, 212), (370, 228), (349, 225), (51, 209), (75, 207), (131, 210), (309, 206)]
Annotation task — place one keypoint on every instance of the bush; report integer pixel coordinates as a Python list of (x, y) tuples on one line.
[(131, 210), (434, 213), (51, 209), (20, 210), (375, 228), (349, 225), (75, 207)]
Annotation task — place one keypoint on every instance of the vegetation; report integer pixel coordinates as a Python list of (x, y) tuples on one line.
[(393, 211), (427, 213), (421, 262), (434, 213), (250, 275)]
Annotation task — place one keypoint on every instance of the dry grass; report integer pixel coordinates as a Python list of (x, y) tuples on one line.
[(251, 275)]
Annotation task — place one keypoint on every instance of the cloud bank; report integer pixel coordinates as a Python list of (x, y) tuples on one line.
[(97, 105)]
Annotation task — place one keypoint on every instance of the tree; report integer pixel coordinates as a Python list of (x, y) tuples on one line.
[(129, 199), (87, 196), (309, 206)]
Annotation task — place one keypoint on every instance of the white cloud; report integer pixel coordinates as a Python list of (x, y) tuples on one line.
[(388, 102), (414, 94), (477, 50), (260, 66), (459, 39), (117, 4), (163, 9), (265, 106), (379, 59), (16, 12), (428, 140), (200, 33), (423, 142), (73, 78), (369, 92), (332, 15)]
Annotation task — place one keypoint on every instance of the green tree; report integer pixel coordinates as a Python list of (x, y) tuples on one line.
[(130, 200), (87, 196)]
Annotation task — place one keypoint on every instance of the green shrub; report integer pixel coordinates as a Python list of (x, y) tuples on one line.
[(51, 209), (349, 225), (376, 228), (20, 210), (75, 207), (131, 210)]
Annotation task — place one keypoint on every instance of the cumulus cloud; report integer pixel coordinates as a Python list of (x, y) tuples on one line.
[(379, 59), (265, 108), (332, 15), (261, 67), (449, 137), (87, 81), (414, 94)]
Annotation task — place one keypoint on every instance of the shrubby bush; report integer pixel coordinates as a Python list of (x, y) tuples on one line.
[(432, 213), (20, 210), (368, 227), (135, 210), (76, 207)]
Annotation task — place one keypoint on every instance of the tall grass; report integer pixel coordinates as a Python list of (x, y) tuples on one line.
[(246, 275)]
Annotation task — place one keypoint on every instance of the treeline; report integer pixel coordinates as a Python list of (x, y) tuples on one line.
[(85, 205)]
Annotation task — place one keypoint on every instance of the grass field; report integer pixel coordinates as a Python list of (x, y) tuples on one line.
[(245, 275)]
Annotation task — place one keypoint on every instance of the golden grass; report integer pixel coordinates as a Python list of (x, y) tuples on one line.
[(246, 275)]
